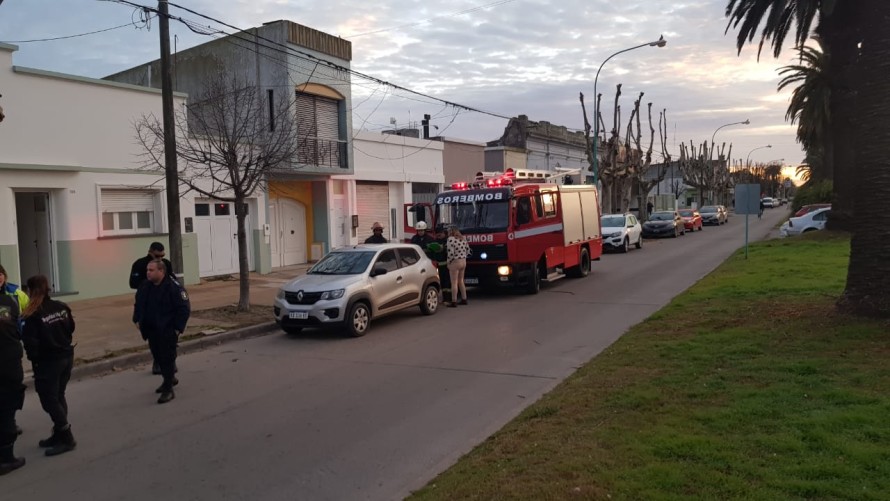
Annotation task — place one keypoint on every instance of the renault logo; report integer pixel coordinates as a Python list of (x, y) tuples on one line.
[(300, 296)]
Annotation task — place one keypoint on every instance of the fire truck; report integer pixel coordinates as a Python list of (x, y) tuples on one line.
[(523, 228)]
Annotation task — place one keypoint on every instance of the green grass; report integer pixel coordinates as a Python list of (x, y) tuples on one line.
[(747, 386)]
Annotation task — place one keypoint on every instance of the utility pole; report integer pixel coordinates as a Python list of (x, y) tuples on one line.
[(171, 170)]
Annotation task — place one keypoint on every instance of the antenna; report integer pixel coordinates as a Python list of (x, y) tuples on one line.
[(392, 120)]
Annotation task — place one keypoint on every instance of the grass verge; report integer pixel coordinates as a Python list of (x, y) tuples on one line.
[(747, 386)]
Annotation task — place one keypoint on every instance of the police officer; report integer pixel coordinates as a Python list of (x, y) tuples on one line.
[(422, 237), (46, 334), (137, 276), (161, 312), (13, 290), (12, 388)]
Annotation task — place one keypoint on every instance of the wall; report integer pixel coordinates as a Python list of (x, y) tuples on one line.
[(388, 157), (462, 160)]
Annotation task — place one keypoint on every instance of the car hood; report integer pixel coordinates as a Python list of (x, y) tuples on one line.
[(321, 282), (612, 229)]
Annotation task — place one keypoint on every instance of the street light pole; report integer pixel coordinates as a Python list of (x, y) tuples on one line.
[(748, 159), (661, 42), (711, 151)]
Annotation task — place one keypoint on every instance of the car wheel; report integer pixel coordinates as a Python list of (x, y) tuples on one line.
[(640, 242), (429, 302), (534, 282), (583, 268), (625, 245), (292, 330), (358, 320)]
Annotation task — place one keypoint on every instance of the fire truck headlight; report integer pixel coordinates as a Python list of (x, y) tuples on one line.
[(484, 255), (504, 270)]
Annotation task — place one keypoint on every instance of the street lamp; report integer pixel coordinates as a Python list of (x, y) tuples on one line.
[(746, 122), (747, 160), (661, 42)]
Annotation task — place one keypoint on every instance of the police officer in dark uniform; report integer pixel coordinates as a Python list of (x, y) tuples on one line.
[(47, 333), (137, 276), (12, 388), (161, 312)]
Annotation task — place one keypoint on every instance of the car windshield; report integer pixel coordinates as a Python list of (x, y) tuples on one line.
[(708, 208), (662, 216), (612, 221), (476, 217), (343, 263), (687, 213)]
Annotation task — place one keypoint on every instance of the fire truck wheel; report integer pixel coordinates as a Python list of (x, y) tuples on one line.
[(534, 281), (358, 320), (583, 268), (429, 302)]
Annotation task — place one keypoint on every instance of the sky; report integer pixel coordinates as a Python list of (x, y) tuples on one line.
[(507, 57)]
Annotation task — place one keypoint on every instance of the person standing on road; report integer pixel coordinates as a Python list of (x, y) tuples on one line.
[(377, 236), (422, 237), (138, 276), (762, 206), (47, 333), (13, 290), (12, 387), (458, 251), (161, 312)]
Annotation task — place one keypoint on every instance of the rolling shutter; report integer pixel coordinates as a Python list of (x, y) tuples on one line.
[(114, 200), (372, 199)]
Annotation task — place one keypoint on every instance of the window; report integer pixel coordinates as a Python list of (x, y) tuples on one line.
[(318, 130), (548, 200), (409, 256), (202, 210), (387, 261), (127, 211)]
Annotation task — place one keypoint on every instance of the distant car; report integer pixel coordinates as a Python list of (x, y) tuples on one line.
[(691, 219), (664, 224), (810, 208), (621, 230), (713, 214), (351, 286), (769, 202), (811, 221)]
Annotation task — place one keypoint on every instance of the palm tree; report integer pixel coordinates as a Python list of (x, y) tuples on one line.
[(809, 107), (868, 276), (839, 38)]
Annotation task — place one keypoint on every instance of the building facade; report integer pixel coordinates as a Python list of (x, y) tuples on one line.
[(538, 146)]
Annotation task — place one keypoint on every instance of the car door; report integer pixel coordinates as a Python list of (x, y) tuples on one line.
[(386, 287), (413, 273), (820, 219), (633, 229)]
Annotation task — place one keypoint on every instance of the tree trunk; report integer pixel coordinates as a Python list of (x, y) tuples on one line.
[(840, 39), (868, 276), (243, 267)]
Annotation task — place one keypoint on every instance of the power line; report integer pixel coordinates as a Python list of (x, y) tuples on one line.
[(131, 23)]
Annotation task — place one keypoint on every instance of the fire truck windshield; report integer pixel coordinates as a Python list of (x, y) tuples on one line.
[(476, 217)]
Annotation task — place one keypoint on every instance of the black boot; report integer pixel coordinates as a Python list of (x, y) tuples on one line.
[(8, 461), (64, 442), (166, 396), (163, 386), (155, 369), (50, 441)]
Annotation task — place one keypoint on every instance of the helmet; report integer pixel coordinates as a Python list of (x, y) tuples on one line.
[(376, 226), (420, 225)]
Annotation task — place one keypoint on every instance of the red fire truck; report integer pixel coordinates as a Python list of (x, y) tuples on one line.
[(523, 228)]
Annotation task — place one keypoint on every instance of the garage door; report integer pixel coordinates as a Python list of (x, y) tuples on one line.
[(217, 233), (372, 200)]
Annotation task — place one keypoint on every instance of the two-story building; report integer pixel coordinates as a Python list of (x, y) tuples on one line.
[(538, 146)]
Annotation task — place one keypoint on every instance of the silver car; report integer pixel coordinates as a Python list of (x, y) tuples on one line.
[(351, 286)]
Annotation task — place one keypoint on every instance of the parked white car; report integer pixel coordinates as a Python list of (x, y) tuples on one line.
[(810, 221), (770, 202), (621, 230)]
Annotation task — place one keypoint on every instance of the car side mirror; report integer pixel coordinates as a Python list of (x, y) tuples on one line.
[(378, 271)]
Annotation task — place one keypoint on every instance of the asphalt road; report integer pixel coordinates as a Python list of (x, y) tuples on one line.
[(323, 417)]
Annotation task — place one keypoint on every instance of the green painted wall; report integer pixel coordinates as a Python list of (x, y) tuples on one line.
[(9, 258), (262, 253), (99, 268)]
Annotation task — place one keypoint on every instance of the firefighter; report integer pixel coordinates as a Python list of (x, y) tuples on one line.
[(422, 237), (161, 312), (377, 237)]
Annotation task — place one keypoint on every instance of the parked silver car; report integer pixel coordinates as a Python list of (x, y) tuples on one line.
[(351, 286)]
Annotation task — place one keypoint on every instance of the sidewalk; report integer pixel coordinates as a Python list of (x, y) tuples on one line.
[(105, 328)]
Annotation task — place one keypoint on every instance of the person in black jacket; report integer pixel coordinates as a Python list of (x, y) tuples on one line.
[(377, 235), (138, 276), (47, 333), (12, 388), (161, 312)]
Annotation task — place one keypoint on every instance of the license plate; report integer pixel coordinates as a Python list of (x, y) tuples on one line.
[(298, 315), (471, 281)]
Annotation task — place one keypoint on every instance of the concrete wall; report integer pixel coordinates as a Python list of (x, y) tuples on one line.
[(462, 160)]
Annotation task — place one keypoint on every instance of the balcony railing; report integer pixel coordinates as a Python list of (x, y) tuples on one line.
[(322, 152)]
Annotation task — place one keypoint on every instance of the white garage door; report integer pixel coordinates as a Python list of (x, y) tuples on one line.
[(372, 200), (217, 232)]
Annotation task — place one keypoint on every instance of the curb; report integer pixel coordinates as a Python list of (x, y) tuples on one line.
[(130, 360)]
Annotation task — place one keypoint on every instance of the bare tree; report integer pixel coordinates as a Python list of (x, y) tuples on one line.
[(701, 172), (229, 140)]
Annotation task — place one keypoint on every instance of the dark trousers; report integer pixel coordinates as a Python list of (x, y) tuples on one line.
[(163, 349), (50, 380), (8, 432)]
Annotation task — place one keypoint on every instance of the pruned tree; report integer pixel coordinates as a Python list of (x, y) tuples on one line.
[(701, 172), (228, 141), (645, 182)]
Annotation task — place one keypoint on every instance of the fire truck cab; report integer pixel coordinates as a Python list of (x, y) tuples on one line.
[(523, 228)]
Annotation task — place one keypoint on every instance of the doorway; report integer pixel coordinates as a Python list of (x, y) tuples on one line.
[(35, 237), (288, 240)]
